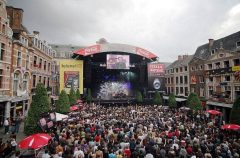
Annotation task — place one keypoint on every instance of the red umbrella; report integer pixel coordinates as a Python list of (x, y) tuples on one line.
[(74, 108), (214, 112), (34, 141), (231, 127)]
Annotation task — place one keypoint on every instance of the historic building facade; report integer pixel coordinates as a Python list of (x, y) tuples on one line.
[(5, 62), (177, 76)]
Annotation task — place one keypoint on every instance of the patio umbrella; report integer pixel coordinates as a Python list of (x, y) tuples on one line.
[(74, 108), (231, 127), (34, 141), (184, 108), (214, 112)]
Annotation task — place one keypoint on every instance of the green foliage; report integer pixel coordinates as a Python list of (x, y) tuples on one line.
[(234, 116), (172, 103), (78, 95), (40, 104), (194, 102), (139, 97), (63, 105), (157, 100), (72, 97), (89, 96)]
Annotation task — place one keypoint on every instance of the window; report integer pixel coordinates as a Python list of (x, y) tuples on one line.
[(19, 59), (176, 70), (193, 68), (49, 67), (200, 67), (15, 83), (39, 79), (186, 91), (40, 63), (176, 80), (27, 62), (181, 80), (44, 81), (177, 90), (34, 81), (227, 78), (181, 69), (171, 89), (172, 80), (202, 92), (168, 80), (185, 80), (217, 65), (35, 61), (25, 82), (1, 78), (226, 64), (238, 44), (210, 79), (3, 29), (209, 66), (45, 65), (186, 69), (48, 82), (2, 52), (201, 79), (181, 90), (213, 52), (236, 62)]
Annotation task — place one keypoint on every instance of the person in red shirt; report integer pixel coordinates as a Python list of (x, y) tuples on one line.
[(189, 149), (97, 138), (127, 152)]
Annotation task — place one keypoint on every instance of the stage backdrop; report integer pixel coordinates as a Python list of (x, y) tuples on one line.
[(71, 75), (156, 79)]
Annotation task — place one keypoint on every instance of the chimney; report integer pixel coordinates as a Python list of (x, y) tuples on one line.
[(210, 43), (36, 33), (180, 57)]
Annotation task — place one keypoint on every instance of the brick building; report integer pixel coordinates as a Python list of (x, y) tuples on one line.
[(5, 62)]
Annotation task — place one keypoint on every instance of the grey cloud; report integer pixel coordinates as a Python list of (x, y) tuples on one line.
[(167, 28)]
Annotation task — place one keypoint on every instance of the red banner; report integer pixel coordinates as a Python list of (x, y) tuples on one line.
[(89, 50), (145, 53)]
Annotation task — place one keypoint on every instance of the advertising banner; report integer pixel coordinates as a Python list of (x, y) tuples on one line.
[(71, 75), (156, 72), (117, 61)]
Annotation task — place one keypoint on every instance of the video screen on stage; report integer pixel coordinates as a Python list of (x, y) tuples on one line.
[(114, 84), (117, 61)]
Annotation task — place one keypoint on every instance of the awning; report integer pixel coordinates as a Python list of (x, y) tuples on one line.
[(177, 99), (219, 104)]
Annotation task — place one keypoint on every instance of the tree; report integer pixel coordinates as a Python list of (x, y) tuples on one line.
[(172, 101), (194, 102), (78, 95), (63, 105), (89, 96), (157, 98), (139, 97), (40, 104), (72, 97), (234, 116)]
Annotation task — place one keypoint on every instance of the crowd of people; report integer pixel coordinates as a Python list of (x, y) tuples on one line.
[(141, 131)]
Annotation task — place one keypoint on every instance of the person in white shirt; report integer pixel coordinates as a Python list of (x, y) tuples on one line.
[(78, 153), (6, 125), (46, 155)]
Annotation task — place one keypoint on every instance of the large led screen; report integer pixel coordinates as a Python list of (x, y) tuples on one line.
[(117, 61)]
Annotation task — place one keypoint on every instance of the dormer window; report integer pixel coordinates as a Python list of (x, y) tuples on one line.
[(213, 52), (238, 44)]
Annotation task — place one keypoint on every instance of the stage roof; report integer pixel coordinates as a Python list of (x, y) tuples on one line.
[(115, 47)]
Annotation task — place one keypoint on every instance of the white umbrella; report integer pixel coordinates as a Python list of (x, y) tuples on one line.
[(60, 117)]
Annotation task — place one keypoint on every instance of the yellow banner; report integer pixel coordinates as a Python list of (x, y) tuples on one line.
[(236, 68), (71, 75)]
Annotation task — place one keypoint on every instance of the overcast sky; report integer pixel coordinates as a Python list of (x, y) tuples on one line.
[(165, 27)]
